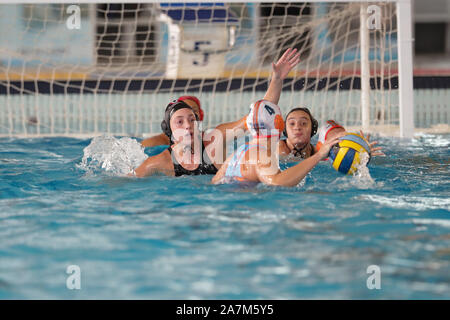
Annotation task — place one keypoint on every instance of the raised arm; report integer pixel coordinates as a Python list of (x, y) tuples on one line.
[(280, 71), (158, 140), (293, 175), (235, 125)]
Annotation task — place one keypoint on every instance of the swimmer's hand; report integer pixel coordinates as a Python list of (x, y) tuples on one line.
[(373, 151), (329, 143), (285, 64), (280, 71)]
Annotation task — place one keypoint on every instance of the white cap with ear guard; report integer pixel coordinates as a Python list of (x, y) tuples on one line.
[(265, 120)]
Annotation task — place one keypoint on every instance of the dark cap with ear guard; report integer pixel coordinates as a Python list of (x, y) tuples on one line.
[(170, 110), (314, 123)]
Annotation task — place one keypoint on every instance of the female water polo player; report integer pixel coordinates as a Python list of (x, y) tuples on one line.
[(162, 139), (186, 155), (280, 70), (300, 126), (257, 160)]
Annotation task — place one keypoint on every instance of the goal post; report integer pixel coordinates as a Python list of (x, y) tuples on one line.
[(93, 67), (405, 49)]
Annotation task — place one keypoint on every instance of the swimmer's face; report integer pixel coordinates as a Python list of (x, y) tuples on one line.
[(183, 123), (298, 127), (194, 106)]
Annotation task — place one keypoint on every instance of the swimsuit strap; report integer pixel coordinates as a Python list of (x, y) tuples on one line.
[(299, 152), (205, 167)]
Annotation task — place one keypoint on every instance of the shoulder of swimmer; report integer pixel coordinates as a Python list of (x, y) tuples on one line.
[(159, 163), (158, 140)]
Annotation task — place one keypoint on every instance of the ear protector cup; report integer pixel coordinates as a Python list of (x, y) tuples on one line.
[(165, 128)]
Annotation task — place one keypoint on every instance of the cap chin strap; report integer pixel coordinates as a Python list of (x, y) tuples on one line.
[(297, 151), (302, 151)]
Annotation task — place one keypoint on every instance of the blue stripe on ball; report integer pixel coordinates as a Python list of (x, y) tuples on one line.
[(347, 161), (333, 151)]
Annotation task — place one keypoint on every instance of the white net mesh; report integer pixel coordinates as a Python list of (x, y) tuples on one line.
[(115, 69)]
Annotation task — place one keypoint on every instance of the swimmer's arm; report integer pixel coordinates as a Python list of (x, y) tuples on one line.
[(293, 175), (158, 140), (155, 164), (216, 140), (236, 126), (280, 71)]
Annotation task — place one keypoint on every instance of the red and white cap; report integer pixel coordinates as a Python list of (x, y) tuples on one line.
[(197, 101), (201, 114), (324, 130)]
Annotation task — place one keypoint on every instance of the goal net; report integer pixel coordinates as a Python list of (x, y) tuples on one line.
[(88, 69)]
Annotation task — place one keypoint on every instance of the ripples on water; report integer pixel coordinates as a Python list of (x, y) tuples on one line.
[(176, 238)]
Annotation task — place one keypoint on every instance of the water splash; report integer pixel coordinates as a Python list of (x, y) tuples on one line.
[(361, 179), (112, 155), (362, 171), (430, 140)]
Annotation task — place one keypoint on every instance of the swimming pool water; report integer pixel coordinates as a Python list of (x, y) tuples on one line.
[(183, 238)]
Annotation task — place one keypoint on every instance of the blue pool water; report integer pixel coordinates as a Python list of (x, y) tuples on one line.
[(182, 238)]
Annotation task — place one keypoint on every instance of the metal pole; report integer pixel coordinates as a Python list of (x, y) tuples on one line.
[(405, 68), (365, 68)]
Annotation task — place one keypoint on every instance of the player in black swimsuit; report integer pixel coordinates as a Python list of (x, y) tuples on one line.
[(182, 157), (205, 167)]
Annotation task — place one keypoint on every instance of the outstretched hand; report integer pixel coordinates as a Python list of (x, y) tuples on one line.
[(325, 148), (373, 151), (286, 63)]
